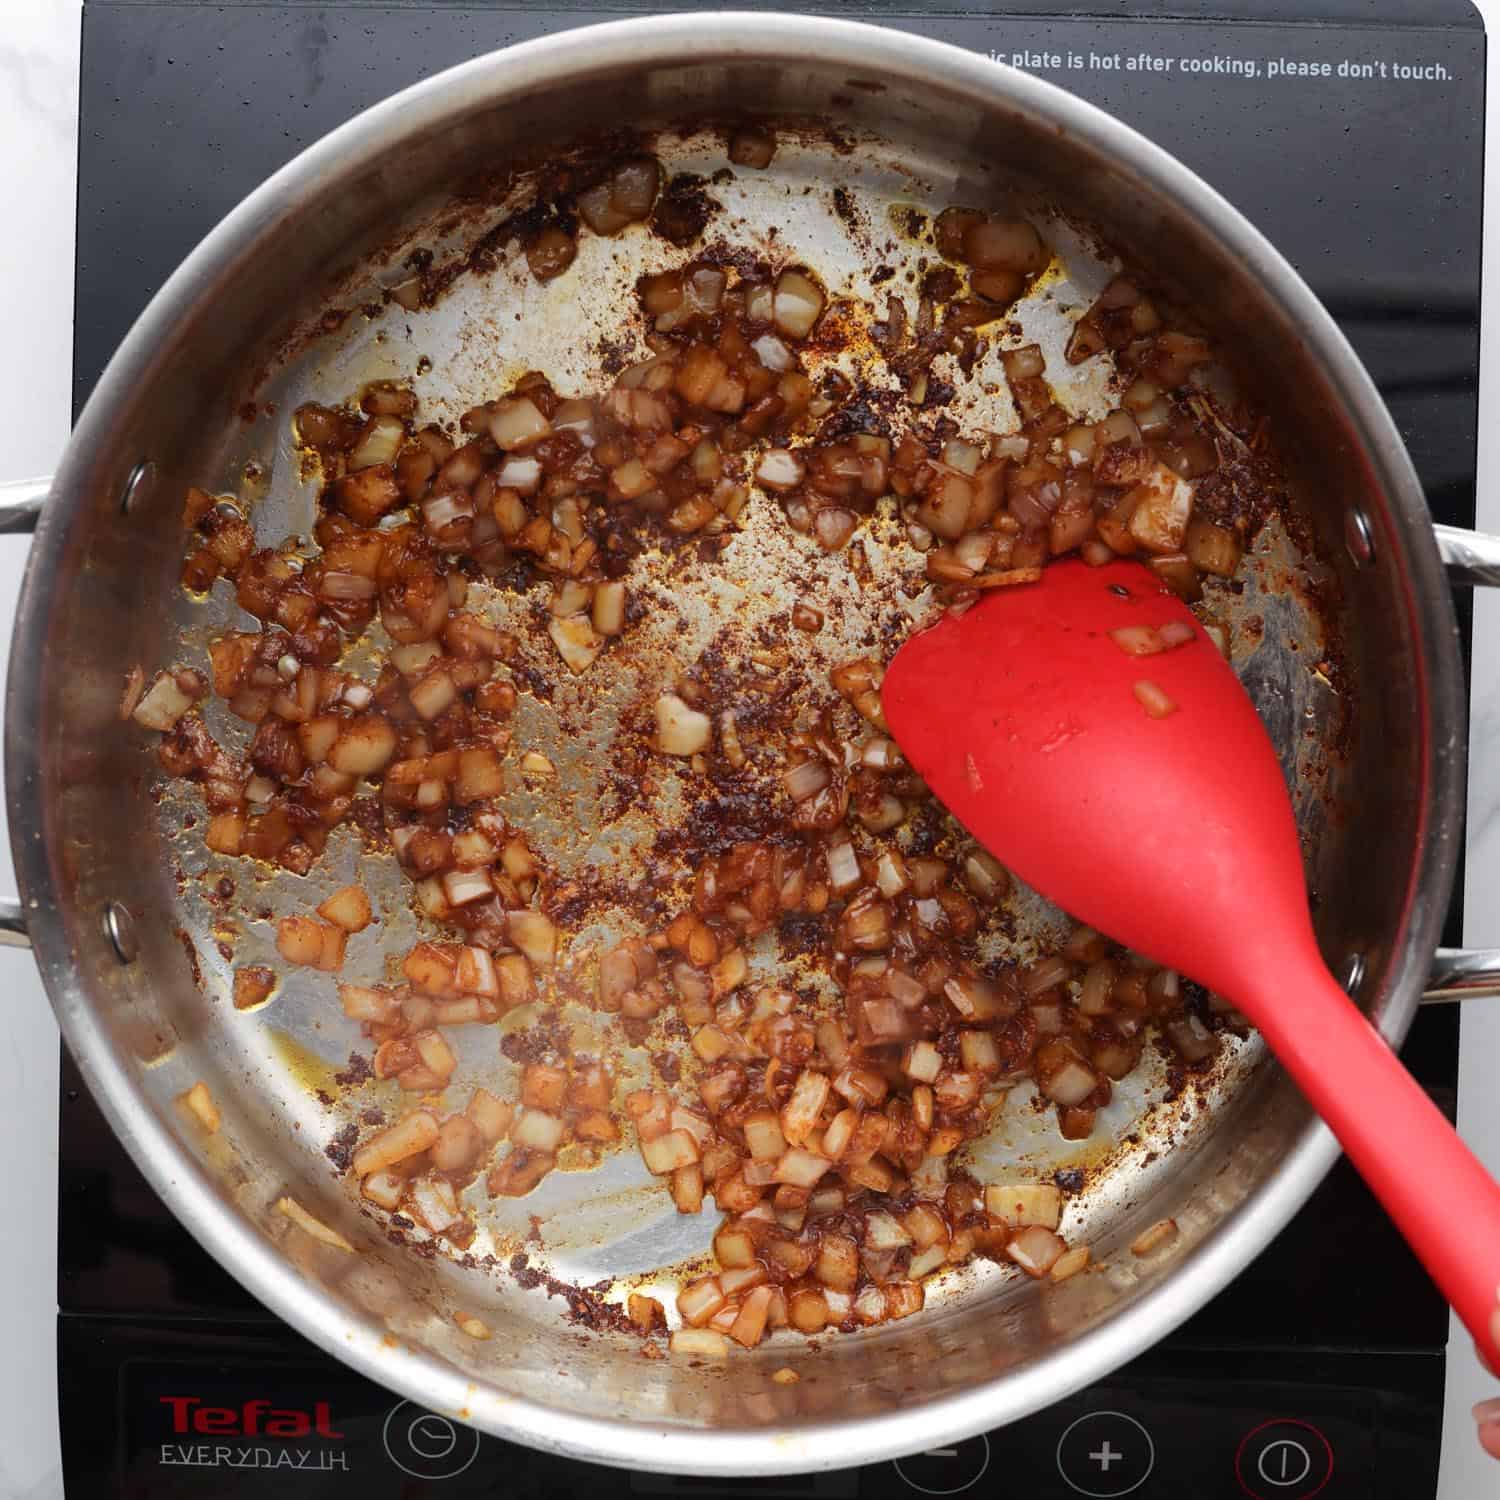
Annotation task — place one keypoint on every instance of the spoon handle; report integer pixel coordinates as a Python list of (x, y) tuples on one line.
[(1439, 1195)]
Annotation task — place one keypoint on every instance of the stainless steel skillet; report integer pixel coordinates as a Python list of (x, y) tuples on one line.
[(98, 856)]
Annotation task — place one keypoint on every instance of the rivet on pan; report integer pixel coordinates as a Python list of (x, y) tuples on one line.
[(119, 928), (1352, 975), (1358, 537), (133, 485)]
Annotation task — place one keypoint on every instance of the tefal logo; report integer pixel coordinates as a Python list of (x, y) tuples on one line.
[(253, 1419)]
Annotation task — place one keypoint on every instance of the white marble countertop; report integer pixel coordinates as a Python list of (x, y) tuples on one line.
[(39, 45), (38, 169)]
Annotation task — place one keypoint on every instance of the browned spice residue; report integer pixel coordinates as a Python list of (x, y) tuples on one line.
[(586, 1307), (191, 952), (683, 209), (340, 1150), (355, 1072)]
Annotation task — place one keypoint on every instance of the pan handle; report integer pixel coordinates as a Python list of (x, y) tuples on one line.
[(1462, 974), (12, 924), (20, 508), (1471, 557), (21, 504)]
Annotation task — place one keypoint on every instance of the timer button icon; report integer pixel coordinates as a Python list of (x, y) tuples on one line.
[(425, 1445)]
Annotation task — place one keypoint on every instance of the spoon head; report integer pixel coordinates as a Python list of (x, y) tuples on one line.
[(1141, 793)]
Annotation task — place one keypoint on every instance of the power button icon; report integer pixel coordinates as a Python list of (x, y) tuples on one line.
[(1284, 1459), (1284, 1463), (425, 1445)]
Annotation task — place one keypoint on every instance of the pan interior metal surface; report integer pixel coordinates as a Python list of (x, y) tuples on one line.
[(985, 1334), (847, 216)]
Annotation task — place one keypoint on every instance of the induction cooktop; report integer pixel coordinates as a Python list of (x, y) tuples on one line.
[(1350, 131)]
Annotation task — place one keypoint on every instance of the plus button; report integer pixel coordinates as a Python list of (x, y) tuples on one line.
[(1105, 1456)]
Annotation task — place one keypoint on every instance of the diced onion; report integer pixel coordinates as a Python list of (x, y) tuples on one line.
[(773, 354), (803, 1109), (979, 1052), (463, 886), (666, 1153), (807, 779), (752, 147), (923, 1062), (577, 641), (516, 423), (434, 1204), (523, 474), (538, 1131), (890, 874), (201, 1104), (1162, 507), (1070, 1263), (985, 875), (163, 705), (291, 1209), (408, 1137), (797, 305), (1004, 244), (384, 1189), (437, 514), (801, 1168), (380, 443), (1062, 1076), (729, 739), (633, 186), (609, 608), (413, 660), (833, 526), (1035, 1249), (884, 1232), (576, 417), (702, 1342), (1024, 1203), (1154, 1237), (1156, 703), (596, 210), (348, 908), (843, 867), (681, 730), (1191, 1038), (780, 469), (475, 1328), (534, 934), (1137, 640)]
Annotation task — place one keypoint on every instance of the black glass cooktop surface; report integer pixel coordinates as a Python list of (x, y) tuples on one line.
[(1351, 133)]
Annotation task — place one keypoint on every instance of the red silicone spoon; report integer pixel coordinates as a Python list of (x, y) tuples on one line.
[(1175, 836)]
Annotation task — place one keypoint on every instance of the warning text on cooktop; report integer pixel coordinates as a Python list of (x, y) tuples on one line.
[(1228, 65)]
